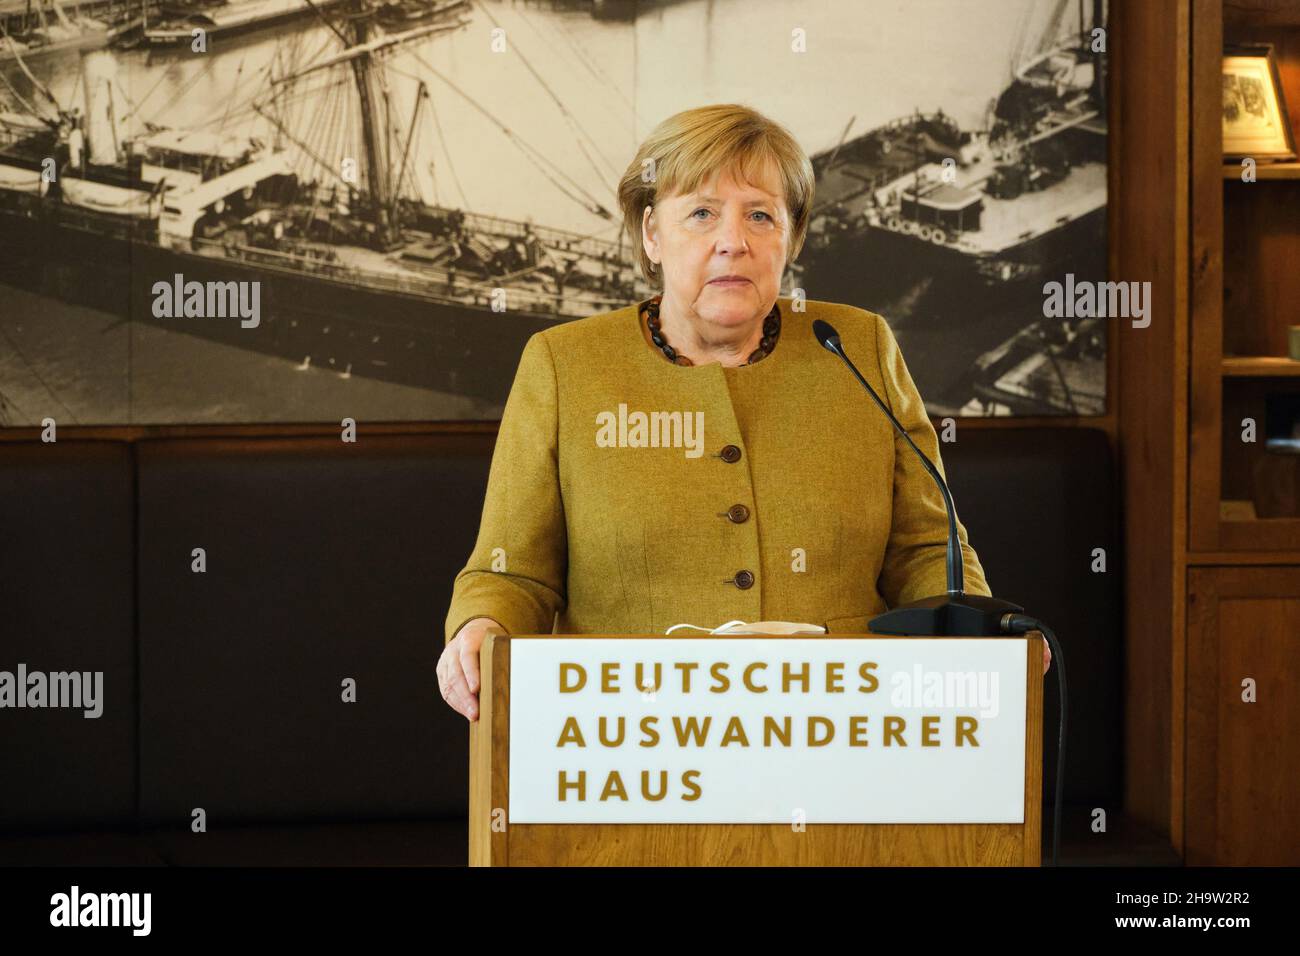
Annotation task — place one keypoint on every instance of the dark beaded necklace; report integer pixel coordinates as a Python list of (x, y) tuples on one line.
[(771, 332)]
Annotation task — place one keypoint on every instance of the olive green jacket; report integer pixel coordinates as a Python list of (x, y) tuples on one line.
[(601, 517)]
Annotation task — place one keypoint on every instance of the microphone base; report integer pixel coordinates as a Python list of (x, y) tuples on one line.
[(946, 615)]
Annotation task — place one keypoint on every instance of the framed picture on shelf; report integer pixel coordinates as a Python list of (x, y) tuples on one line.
[(1255, 120)]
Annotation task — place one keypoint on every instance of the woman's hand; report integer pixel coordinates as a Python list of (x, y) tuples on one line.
[(1047, 657), (458, 666)]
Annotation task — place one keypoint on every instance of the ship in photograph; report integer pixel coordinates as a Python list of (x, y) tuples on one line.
[(43, 28), (357, 274), (1049, 363), (944, 229), (396, 15), (225, 19)]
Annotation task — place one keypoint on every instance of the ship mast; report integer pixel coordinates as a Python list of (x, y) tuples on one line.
[(1098, 86), (360, 53), (376, 171)]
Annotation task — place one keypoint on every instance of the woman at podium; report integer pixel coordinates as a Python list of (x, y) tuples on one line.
[(698, 456)]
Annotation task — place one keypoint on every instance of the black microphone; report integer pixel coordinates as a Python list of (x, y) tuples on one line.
[(956, 613)]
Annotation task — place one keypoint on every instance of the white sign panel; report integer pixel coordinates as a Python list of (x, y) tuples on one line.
[(767, 730)]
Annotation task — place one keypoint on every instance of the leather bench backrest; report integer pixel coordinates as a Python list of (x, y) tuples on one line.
[(67, 603), (326, 563), (1037, 502)]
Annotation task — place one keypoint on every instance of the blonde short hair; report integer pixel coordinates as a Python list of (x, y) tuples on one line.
[(689, 147)]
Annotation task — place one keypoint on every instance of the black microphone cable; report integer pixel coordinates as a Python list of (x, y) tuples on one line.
[(1019, 624)]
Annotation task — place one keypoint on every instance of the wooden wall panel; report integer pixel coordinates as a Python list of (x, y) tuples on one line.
[(1151, 44)]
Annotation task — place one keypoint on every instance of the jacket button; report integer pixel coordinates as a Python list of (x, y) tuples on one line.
[(730, 454), (744, 580), (737, 513)]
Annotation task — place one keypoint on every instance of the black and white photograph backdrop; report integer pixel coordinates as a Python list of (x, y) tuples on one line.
[(243, 211)]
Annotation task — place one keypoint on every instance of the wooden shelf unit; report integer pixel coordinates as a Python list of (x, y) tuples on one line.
[(1232, 777), (1212, 582), (1244, 293)]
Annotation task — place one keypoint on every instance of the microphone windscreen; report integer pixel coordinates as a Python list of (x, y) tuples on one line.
[(826, 335)]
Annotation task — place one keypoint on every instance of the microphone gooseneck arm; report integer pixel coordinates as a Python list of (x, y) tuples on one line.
[(957, 613), (956, 571)]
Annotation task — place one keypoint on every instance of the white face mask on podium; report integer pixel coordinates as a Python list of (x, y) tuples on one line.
[(758, 627)]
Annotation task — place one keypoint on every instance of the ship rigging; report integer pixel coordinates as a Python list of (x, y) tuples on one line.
[(327, 194)]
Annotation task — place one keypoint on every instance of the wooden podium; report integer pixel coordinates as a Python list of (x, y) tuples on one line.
[(493, 841)]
